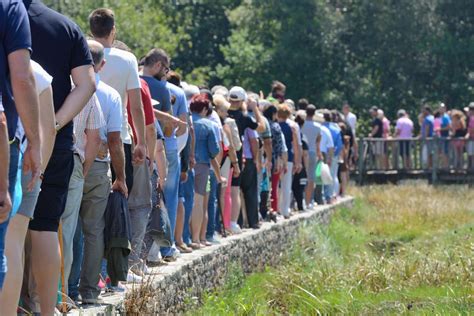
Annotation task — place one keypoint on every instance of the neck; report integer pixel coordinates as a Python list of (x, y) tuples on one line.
[(106, 42), (147, 72)]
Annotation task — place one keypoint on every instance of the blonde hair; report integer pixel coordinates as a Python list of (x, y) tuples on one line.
[(284, 111), (220, 102)]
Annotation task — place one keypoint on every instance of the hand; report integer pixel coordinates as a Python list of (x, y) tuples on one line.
[(221, 180), (192, 161), (161, 183), (5, 205), (183, 177), (139, 154), (285, 168), (251, 104), (259, 167), (268, 165), (120, 186), (32, 163), (236, 171)]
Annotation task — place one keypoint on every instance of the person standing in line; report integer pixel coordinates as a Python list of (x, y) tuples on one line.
[(427, 131), (377, 132), (404, 131), (121, 73), (445, 128), (71, 59), (470, 136), (312, 131)]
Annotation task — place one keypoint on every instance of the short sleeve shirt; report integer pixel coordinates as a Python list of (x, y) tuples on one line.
[(14, 35), (405, 127), (326, 140), (247, 147), (445, 121), (427, 122), (59, 46), (111, 105), (311, 130), (378, 122), (243, 121), (159, 92), (147, 109)]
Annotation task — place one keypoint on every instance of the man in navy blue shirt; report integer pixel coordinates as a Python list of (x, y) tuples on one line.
[(16, 78), (61, 49)]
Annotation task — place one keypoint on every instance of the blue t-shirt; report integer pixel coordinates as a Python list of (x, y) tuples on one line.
[(159, 92), (14, 35), (179, 107), (58, 46), (336, 137), (427, 122), (445, 122)]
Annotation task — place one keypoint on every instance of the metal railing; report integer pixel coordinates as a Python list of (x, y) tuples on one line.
[(424, 156)]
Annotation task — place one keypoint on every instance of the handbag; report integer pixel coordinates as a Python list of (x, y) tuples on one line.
[(159, 226)]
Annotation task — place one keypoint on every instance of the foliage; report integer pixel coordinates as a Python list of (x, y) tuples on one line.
[(389, 53), (394, 252)]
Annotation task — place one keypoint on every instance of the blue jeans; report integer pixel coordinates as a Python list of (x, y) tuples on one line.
[(12, 175), (188, 188), (77, 253), (332, 189), (212, 206), (170, 192)]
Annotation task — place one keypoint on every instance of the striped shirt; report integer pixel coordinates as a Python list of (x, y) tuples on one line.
[(89, 118)]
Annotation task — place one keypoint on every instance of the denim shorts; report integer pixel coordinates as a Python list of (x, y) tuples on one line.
[(29, 199)]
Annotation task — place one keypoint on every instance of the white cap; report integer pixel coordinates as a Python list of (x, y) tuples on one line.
[(237, 94), (318, 117), (191, 90)]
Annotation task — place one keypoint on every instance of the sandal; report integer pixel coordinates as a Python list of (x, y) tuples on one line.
[(183, 248), (195, 245), (205, 243)]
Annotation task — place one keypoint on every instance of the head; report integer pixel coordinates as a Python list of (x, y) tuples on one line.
[(346, 108), (200, 104), (220, 90), (156, 63), (97, 52), (373, 111), (237, 96), (102, 24), (190, 91), (310, 110), (221, 105), (327, 116), (401, 113), (426, 111), (303, 104), (335, 116), (270, 113), (278, 90), (174, 78), (380, 114), (442, 108), (284, 112), (471, 108), (300, 117)]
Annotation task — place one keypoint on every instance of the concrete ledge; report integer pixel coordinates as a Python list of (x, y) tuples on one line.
[(170, 288)]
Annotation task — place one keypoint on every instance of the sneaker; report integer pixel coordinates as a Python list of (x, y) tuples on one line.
[(133, 278), (213, 240), (235, 229)]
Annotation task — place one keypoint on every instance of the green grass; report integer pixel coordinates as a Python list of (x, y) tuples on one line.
[(405, 249)]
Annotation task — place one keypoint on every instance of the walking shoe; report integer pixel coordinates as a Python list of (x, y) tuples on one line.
[(133, 278), (235, 229)]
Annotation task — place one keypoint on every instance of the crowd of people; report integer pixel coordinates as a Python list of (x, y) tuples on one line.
[(83, 117)]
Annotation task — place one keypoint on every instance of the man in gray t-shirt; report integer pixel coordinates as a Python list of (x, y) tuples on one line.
[(312, 131)]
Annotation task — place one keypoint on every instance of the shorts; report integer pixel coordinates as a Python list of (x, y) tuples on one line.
[(236, 180), (444, 145), (378, 147), (470, 147), (404, 148), (54, 189), (225, 170), (29, 199), (201, 178), (313, 161)]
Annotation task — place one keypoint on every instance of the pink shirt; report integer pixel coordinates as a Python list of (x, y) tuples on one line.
[(471, 127), (405, 126), (437, 125)]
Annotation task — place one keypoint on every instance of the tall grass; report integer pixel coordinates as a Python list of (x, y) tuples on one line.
[(400, 249)]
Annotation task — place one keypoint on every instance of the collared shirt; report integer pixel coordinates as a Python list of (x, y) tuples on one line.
[(14, 35), (111, 106), (336, 136), (206, 144), (88, 119), (405, 126)]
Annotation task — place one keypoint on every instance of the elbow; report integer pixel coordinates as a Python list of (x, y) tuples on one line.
[(114, 141), (23, 81)]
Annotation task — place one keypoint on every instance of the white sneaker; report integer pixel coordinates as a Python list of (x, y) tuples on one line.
[(133, 278), (235, 229)]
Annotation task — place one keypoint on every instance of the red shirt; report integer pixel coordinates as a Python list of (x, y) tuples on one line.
[(147, 108)]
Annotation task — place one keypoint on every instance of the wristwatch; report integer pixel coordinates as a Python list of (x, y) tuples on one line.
[(57, 127)]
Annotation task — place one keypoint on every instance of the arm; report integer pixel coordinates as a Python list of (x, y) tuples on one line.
[(374, 131), (296, 150), (182, 127), (252, 105), (138, 117), (160, 159), (192, 159), (330, 155), (118, 161), (318, 147), (268, 149), (150, 137), (47, 122), (5, 201), (255, 153), (91, 149), (84, 86), (27, 105), (305, 159), (232, 153)]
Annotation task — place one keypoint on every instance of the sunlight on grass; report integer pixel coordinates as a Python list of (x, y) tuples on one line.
[(399, 249)]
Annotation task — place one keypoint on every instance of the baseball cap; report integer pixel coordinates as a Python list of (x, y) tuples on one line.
[(237, 94), (374, 109), (401, 113)]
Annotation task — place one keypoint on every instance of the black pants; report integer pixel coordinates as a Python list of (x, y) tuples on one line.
[(127, 148), (298, 185), (264, 203), (249, 187)]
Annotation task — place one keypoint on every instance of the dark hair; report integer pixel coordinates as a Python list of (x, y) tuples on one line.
[(155, 55), (327, 116), (174, 78), (277, 85), (437, 114), (427, 109), (101, 22), (121, 45), (310, 110), (198, 103), (303, 104), (269, 112), (97, 52), (299, 119)]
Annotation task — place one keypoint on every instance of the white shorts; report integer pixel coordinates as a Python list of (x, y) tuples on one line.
[(225, 171)]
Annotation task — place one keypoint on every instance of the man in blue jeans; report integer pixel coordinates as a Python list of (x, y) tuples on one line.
[(15, 48)]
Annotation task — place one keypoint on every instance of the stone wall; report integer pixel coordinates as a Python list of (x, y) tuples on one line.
[(172, 288)]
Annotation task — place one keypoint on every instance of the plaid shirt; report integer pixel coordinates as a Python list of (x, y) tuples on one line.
[(89, 118)]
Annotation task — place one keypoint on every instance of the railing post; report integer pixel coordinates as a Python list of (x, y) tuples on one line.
[(434, 170), (361, 161)]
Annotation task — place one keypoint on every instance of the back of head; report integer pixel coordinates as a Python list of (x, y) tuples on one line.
[(401, 113), (327, 115), (269, 111), (427, 109), (199, 103), (284, 111), (310, 110), (174, 78), (155, 55), (97, 51), (300, 117), (101, 22), (220, 102), (278, 86), (303, 104), (121, 45)]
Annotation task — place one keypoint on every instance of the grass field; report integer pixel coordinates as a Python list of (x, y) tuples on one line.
[(400, 249)]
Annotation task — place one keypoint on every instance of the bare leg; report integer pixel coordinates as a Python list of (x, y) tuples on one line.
[(178, 233), (196, 217), (14, 246), (235, 191), (205, 217), (309, 190), (46, 268)]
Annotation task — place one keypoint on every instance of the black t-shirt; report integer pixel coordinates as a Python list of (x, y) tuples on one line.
[(378, 122), (243, 121), (58, 46)]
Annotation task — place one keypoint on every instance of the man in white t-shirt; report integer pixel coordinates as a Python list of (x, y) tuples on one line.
[(121, 73)]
